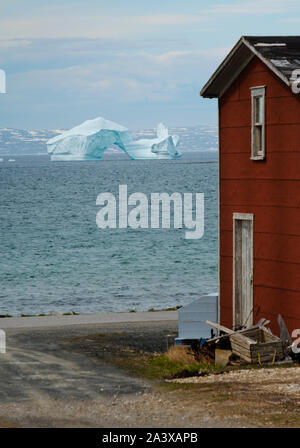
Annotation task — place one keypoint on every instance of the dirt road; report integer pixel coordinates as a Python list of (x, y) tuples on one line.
[(50, 379)]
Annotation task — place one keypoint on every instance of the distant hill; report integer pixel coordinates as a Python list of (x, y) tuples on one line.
[(23, 142)]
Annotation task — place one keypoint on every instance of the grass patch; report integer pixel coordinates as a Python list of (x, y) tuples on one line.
[(116, 348), (160, 367), (72, 313), (180, 353)]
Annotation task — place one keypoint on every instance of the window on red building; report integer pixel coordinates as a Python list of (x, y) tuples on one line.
[(258, 123)]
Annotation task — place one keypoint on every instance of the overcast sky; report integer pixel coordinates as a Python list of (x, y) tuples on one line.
[(136, 62)]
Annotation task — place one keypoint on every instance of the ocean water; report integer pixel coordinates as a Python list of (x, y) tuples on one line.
[(55, 258)]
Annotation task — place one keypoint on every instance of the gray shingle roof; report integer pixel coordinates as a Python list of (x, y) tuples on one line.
[(280, 53)]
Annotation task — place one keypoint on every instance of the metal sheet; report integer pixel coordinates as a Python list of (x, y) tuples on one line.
[(192, 317)]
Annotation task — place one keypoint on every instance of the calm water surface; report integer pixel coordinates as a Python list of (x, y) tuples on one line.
[(54, 257)]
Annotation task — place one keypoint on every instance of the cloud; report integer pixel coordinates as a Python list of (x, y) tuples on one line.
[(254, 7), (65, 55), (290, 20), (90, 26), (121, 77), (75, 19), (67, 21), (14, 43), (176, 57), (36, 54), (169, 19)]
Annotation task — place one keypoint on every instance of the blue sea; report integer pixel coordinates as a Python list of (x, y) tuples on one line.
[(54, 258)]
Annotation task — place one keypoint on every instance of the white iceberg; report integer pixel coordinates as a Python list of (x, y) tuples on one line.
[(162, 147), (89, 140)]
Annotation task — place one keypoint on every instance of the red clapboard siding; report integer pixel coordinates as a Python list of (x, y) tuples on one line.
[(268, 246), (276, 168), (235, 113), (226, 317), (226, 269), (282, 220), (252, 191), (237, 139), (276, 136), (283, 248), (276, 274), (284, 301), (268, 189), (252, 76)]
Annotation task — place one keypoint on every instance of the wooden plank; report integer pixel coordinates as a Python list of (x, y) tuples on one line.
[(253, 356), (266, 358), (266, 350), (247, 254), (220, 327), (243, 340), (240, 343), (243, 356), (267, 345), (237, 273), (255, 350), (238, 350), (237, 343), (261, 335)]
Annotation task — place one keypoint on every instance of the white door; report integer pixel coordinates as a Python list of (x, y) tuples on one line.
[(242, 270)]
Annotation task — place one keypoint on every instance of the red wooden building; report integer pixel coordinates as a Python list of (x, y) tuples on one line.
[(259, 176)]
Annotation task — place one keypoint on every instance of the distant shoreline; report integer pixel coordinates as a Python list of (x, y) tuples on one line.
[(73, 313), (116, 153)]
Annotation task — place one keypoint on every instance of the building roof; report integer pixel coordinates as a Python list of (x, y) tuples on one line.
[(280, 53)]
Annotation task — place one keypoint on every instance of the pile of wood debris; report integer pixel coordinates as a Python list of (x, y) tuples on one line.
[(254, 344)]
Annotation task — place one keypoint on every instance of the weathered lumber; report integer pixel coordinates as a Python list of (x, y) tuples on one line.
[(220, 327), (253, 344)]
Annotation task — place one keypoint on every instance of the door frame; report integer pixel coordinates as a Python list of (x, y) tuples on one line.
[(241, 217)]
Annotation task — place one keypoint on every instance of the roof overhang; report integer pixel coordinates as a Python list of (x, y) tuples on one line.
[(240, 56)]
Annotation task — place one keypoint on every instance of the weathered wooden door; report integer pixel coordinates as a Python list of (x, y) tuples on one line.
[(242, 270)]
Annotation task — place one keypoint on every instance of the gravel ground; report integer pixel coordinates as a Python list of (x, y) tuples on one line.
[(290, 376), (59, 377)]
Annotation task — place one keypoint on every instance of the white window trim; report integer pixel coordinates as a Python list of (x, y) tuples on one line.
[(259, 91), (243, 216)]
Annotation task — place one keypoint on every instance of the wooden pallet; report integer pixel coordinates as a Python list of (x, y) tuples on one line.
[(256, 345)]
